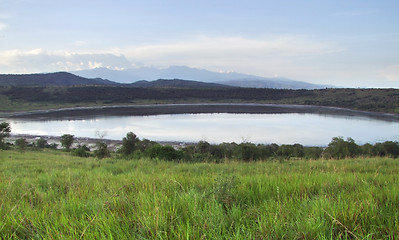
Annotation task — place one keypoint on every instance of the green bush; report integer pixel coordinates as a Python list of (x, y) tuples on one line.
[(102, 150), (167, 153), (81, 151)]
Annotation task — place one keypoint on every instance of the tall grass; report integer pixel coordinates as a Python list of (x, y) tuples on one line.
[(56, 196)]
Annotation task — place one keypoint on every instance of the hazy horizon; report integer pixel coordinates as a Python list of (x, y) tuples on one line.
[(342, 43)]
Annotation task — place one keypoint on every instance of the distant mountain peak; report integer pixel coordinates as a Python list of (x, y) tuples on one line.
[(176, 83), (200, 75)]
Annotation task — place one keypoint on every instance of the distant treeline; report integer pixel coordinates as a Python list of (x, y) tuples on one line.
[(379, 100), (134, 148), (206, 152)]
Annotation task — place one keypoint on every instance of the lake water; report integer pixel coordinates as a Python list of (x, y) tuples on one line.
[(306, 129)]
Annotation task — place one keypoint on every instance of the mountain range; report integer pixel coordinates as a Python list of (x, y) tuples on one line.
[(172, 77), (193, 74), (69, 79), (49, 79)]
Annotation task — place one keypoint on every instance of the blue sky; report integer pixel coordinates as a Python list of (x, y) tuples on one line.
[(341, 42)]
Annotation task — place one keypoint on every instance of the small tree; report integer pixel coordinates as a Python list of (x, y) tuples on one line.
[(339, 148), (67, 141), (102, 150), (129, 144), (5, 130), (167, 153), (21, 143), (388, 148), (41, 143), (81, 151)]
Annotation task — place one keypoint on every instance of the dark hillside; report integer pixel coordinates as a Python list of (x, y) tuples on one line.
[(49, 79), (377, 100)]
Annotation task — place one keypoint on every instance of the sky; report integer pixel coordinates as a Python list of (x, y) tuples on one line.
[(348, 43)]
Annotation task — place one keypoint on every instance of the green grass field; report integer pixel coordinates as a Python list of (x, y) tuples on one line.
[(53, 195)]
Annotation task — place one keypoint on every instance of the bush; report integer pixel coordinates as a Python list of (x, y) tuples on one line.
[(289, 151), (339, 148), (388, 148), (313, 152), (102, 150), (5, 130), (21, 143), (67, 141), (130, 143), (41, 143), (225, 190), (167, 153), (81, 152), (248, 152)]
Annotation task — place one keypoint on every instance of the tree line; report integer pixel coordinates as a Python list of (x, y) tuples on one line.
[(132, 148)]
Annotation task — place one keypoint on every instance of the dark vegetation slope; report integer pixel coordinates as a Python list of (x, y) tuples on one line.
[(68, 79), (49, 79), (37, 91), (378, 100)]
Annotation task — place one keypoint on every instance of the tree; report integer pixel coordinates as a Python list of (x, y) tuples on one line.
[(203, 147), (67, 141), (81, 151), (5, 130), (102, 150), (339, 148), (313, 152), (21, 143), (248, 152), (41, 143), (388, 148), (129, 144), (167, 153)]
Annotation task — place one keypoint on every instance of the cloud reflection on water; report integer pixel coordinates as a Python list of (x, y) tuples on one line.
[(306, 129)]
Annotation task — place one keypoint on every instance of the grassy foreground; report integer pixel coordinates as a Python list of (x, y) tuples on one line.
[(53, 195)]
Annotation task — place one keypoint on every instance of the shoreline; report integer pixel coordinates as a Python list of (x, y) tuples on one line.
[(162, 109)]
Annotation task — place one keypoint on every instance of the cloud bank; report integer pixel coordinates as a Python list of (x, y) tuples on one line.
[(39, 60), (297, 57), (225, 53)]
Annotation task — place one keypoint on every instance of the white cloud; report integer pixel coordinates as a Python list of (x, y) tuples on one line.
[(95, 64), (39, 60), (278, 46), (292, 56), (265, 56), (262, 55), (3, 26)]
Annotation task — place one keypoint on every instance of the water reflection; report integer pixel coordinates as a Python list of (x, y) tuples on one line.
[(306, 129)]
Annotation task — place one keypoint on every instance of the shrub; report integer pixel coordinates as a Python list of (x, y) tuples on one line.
[(41, 143), (339, 148), (167, 153), (129, 144), (388, 148), (102, 150), (225, 190), (5, 130), (80, 152), (21, 143), (67, 141)]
